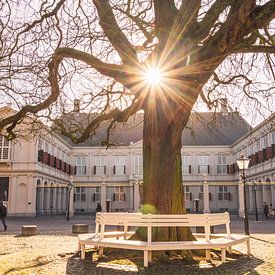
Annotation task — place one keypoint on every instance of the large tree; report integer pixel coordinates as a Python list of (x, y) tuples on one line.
[(102, 51)]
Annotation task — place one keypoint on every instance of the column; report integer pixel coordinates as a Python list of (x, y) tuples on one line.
[(71, 204), (41, 199), (136, 196), (12, 195), (206, 208), (54, 199), (103, 196), (241, 197), (251, 204)]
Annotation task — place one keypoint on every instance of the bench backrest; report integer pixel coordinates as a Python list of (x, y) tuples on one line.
[(160, 220)]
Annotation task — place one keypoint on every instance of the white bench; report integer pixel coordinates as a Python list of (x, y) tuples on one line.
[(205, 241)]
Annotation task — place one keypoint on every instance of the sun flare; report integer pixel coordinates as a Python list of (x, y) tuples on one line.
[(153, 76)]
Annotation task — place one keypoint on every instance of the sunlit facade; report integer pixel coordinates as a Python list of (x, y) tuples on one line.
[(34, 173)]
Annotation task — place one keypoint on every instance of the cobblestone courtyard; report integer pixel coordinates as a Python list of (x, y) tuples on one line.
[(53, 251)]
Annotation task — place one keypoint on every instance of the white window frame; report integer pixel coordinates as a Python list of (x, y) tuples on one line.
[(223, 194), (120, 163), (119, 193), (138, 164), (101, 163), (203, 162), (265, 141), (5, 148), (80, 165), (186, 162), (187, 193), (222, 165), (80, 194)]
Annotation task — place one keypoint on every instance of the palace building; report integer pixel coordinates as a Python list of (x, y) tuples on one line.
[(36, 172)]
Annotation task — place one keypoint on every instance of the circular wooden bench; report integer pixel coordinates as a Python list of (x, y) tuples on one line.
[(28, 230), (80, 228)]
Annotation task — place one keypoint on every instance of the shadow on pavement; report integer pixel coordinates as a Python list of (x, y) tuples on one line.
[(236, 264)]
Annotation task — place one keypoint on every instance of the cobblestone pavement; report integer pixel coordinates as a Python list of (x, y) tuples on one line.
[(53, 251)]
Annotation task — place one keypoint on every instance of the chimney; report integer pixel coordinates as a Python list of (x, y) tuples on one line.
[(77, 105)]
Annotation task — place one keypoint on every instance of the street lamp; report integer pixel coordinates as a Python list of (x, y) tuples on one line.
[(255, 196), (243, 163), (69, 186)]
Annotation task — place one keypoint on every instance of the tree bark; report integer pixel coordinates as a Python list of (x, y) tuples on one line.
[(162, 184)]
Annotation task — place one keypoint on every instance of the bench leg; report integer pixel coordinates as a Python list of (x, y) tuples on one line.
[(207, 255), (248, 247), (82, 251), (150, 256), (100, 252), (145, 258), (223, 255)]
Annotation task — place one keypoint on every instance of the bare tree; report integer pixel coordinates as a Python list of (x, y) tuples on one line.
[(102, 51)]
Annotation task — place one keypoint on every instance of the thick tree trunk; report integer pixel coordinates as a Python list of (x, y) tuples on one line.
[(162, 184)]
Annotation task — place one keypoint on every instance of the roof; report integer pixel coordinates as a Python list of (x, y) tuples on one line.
[(203, 129)]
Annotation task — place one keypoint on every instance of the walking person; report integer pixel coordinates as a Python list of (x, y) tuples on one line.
[(266, 211), (3, 215)]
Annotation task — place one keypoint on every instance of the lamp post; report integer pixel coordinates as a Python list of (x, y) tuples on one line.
[(255, 197), (69, 186), (243, 163)]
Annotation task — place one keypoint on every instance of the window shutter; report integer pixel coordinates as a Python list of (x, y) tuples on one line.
[(93, 196), (114, 197), (190, 171), (208, 169), (210, 196), (75, 170), (49, 160), (199, 169), (105, 170), (40, 156), (54, 162), (114, 170), (124, 197), (228, 169), (124, 169), (94, 170), (190, 196)]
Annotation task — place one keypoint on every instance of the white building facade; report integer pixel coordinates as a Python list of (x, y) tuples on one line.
[(35, 174)]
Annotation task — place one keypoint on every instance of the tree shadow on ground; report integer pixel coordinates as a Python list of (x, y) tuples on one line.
[(118, 262), (23, 268)]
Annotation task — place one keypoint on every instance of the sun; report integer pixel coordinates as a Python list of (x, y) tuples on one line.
[(153, 76)]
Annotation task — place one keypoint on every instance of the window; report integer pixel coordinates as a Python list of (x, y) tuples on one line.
[(100, 165), (4, 188), (251, 149), (40, 144), (222, 166), (203, 167), (81, 165), (257, 145), (273, 138), (5, 146), (264, 141), (120, 168), (187, 193), (96, 195), (186, 165), (138, 165), (46, 147), (119, 194), (223, 194), (80, 194), (201, 193)]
